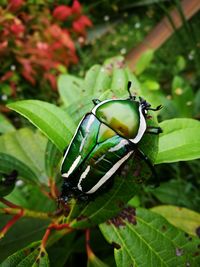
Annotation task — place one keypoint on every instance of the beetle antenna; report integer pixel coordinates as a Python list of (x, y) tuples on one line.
[(129, 91)]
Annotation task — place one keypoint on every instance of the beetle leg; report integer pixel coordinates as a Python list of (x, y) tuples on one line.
[(155, 109), (96, 101), (153, 130)]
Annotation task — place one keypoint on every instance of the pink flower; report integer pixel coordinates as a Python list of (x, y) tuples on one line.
[(62, 12), (14, 5), (17, 28), (81, 23), (76, 7)]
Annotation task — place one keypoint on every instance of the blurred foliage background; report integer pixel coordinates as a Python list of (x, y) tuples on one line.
[(44, 41)]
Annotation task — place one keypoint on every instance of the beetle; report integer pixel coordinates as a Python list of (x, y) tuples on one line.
[(103, 142)]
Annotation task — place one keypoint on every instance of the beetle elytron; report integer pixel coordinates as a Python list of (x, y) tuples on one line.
[(104, 140)]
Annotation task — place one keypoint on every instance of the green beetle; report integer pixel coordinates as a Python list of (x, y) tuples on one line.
[(103, 142)]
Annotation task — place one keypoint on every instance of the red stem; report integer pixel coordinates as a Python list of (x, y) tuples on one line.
[(57, 227), (9, 204), (87, 243), (11, 222)]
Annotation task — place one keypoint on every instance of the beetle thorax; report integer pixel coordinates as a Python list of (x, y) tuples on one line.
[(124, 117)]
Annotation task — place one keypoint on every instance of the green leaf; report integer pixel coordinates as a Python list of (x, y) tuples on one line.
[(177, 192), (5, 125), (17, 257), (28, 148), (7, 183), (52, 158), (31, 197), (61, 251), (51, 120), (151, 85), (183, 96), (180, 63), (25, 231), (149, 240), (93, 261), (144, 61), (179, 141), (69, 88), (185, 219), (29, 256), (9, 163), (105, 206)]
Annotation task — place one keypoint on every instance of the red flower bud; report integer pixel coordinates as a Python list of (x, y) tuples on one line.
[(14, 5), (17, 28), (62, 12), (81, 23), (76, 7)]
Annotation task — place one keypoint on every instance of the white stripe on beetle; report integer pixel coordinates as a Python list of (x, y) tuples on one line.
[(121, 144), (71, 141), (73, 166), (83, 176), (142, 128), (108, 174), (91, 120), (77, 129)]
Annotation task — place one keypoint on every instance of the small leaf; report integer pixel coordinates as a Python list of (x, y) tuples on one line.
[(90, 79), (7, 183), (30, 256), (17, 257), (151, 85), (69, 88), (179, 141), (28, 148), (52, 158), (149, 240), (183, 96), (180, 63), (144, 61), (185, 219), (119, 81), (9, 163), (5, 125), (51, 120), (25, 231), (93, 261), (177, 192)]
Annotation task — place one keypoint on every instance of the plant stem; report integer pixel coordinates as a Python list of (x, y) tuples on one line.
[(26, 213), (87, 243), (57, 227), (15, 218), (9, 204)]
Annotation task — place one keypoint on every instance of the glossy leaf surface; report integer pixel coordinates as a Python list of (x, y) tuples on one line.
[(185, 219), (51, 120), (27, 147), (5, 125), (179, 141), (149, 241)]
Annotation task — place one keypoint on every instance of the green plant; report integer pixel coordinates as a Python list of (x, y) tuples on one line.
[(140, 237)]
